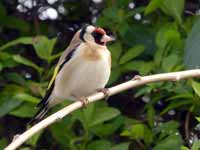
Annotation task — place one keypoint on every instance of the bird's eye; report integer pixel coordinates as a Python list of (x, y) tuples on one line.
[(97, 35)]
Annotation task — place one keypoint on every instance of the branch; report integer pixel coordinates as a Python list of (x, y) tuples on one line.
[(174, 76)]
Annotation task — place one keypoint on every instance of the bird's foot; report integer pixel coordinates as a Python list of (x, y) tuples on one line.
[(137, 77), (84, 101), (105, 91), (15, 137)]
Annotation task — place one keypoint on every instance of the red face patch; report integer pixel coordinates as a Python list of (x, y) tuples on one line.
[(100, 30)]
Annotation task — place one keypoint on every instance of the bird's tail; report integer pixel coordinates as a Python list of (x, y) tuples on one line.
[(39, 115), (44, 108)]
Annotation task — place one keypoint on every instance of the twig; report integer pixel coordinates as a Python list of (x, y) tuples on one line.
[(174, 76)]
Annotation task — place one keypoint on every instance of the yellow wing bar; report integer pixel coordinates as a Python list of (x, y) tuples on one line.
[(56, 70)]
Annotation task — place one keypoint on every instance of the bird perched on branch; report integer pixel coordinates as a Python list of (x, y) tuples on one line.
[(83, 68)]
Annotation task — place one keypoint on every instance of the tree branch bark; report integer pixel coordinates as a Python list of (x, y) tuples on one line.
[(174, 76)]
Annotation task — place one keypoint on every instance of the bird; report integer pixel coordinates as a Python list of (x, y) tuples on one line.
[(82, 69)]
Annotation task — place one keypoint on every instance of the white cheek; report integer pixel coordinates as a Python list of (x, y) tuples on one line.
[(89, 38), (90, 29)]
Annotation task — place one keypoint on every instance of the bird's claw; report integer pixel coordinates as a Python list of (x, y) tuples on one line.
[(105, 91), (15, 137), (84, 101), (59, 118), (137, 77)]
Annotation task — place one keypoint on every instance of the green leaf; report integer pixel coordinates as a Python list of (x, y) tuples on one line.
[(15, 23), (106, 129), (131, 54), (198, 119), (2, 10), (139, 132), (7, 60), (55, 56), (184, 148), (188, 23), (60, 133), (24, 61), (115, 50), (121, 146), (174, 8), (63, 133), (141, 66), (44, 47), (22, 40), (167, 127), (7, 101), (170, 62), (25, 110), (104, 114), (167, 33), (172, 142), (7, 104), (148, 136), (103, 129), (192, 54), (144, 90), (137, 34), (151, 115), (3, 143), (33, 140), (115, 75), (181, 96), (99, 145), (196, 87), (1, 66), (177, 104), (196, 145), (16, 78), (152, 6), (26, 97), (88, 114), (85, 115)]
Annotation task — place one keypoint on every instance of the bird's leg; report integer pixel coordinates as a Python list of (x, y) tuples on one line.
[(15, 137), (136, 77), (83, 100), (105, 91)]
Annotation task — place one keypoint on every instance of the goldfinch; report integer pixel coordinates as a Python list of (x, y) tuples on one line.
[(83, 68)]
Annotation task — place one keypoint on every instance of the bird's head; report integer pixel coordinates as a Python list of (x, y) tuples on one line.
[(94, 35)]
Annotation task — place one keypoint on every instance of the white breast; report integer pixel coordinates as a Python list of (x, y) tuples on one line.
[(90, 77), (83, 77)]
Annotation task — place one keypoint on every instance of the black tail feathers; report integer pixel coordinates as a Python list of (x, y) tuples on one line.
[(39, 115), (43, 105)]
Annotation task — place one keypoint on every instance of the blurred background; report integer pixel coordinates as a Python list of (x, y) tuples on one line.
[(153, 36)]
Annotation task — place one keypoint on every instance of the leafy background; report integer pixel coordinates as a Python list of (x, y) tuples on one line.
[(154, 36)]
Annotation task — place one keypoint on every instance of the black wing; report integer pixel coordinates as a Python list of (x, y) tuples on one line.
[(43, 104)]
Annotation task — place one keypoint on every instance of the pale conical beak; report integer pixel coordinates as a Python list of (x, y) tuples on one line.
[(107, 38)]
